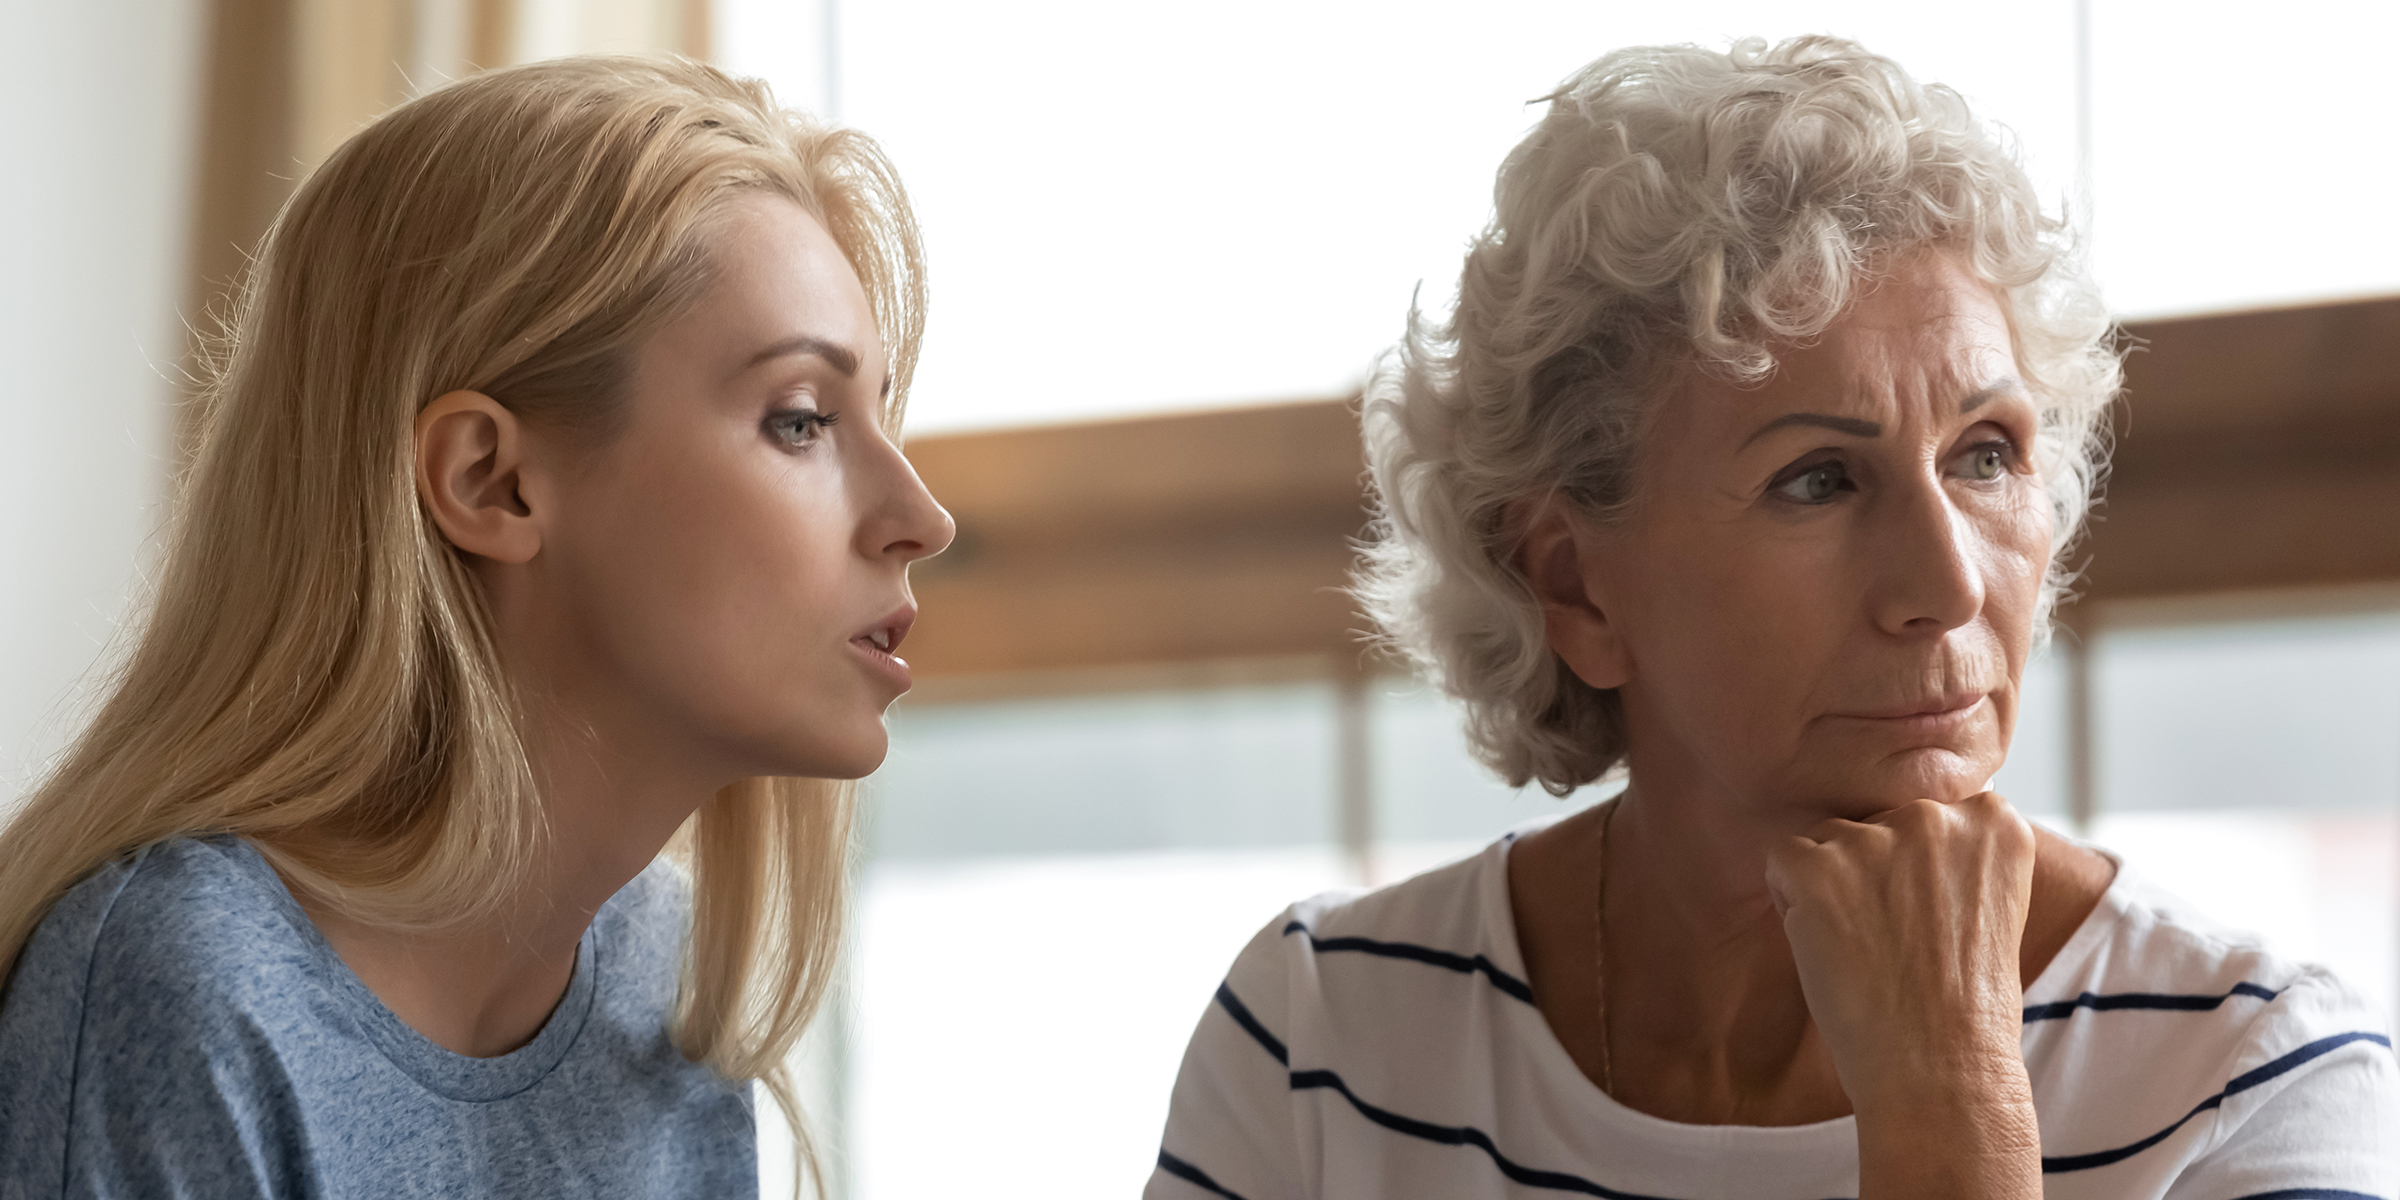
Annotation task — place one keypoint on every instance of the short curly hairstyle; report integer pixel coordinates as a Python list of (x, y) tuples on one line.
[(1681, 209)]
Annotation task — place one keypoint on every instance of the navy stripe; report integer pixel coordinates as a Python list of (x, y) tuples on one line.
[(2310, 1194), (1443, 1134), (2060, 1009), (1414, 953), (1193, 1175), (1460, 1135), (1240, 1013), (2241, 1083), (2314, 1050)]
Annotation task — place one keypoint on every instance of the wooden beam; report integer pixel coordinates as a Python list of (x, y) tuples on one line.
[(2255, 450), (2266, 369), (1193, 537)]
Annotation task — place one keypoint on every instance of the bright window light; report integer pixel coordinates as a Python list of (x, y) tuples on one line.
[(1142, 207)]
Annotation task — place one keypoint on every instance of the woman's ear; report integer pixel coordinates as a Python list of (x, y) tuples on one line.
[(1556, 556), (472, 476)]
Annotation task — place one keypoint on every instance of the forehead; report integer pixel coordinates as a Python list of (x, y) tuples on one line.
[(778, 274), (1927, 331)]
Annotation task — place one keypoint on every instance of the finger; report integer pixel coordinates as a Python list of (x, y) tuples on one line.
[(1921, 813), (1831, 829), (1990, 804), (1783, 864)]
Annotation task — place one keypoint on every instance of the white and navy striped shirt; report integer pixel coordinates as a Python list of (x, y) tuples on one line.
[(1385, 1045)]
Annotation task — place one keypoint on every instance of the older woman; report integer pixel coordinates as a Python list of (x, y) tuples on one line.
[(1744, 466)]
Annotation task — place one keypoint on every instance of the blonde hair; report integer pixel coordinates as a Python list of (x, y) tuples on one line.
[(1680, 209), (318, 672)]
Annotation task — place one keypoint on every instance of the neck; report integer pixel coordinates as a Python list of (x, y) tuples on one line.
[(610, 803), (1706, 1020), (1695, 864), (1716, 1029)]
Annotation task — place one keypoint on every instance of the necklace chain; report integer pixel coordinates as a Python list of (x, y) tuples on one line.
[(1608, 1082)]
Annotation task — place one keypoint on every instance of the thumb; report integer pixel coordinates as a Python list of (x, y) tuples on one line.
[(1780, 866)]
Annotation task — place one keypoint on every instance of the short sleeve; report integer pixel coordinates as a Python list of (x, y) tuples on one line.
[(125, 1071), (41, 1013), (1230, 1128), (2312, 1106)]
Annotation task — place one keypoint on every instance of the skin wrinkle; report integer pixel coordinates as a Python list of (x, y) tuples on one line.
[(1727, 645), (1870, 429), (1814, 908)]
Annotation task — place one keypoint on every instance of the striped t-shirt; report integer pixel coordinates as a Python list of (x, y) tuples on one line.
[(1386, 1045)]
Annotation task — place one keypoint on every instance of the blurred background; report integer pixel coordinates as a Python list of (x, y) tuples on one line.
[(1167, 240)]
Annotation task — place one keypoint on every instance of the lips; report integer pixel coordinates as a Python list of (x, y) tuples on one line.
[(885, 636), (1932, 706)]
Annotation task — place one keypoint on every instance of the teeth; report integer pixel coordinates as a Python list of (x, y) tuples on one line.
[(882, 639)]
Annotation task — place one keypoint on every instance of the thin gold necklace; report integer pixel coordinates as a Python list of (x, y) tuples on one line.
[(1608, 1080)]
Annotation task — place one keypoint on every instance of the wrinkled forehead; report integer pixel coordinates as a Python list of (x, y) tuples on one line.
[(1924, 339), (1927, 322)]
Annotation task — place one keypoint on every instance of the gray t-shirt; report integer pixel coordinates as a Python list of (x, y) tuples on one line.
[(177, 1027)]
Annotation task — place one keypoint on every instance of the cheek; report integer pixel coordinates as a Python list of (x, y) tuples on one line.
[(725, 581), (2016, 559), (759, 579), (1739, 637)]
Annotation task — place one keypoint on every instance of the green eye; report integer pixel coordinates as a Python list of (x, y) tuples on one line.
[(1986, 463), (1817, 484)]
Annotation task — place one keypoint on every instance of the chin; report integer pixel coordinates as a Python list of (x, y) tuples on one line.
[(849, 755), (851, 762), (1941, 775)]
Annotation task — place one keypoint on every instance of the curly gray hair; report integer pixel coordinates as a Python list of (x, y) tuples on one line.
[(1680, 209)]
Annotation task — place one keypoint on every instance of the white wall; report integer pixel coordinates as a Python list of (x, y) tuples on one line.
[(96, 147), (2242, 152), (1135, 207), (1158, 206)]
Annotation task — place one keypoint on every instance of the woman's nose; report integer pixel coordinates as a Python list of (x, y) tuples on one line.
[(1928, 577), (912, 525)]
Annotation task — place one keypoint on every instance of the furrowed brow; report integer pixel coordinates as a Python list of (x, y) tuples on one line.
[(1849, 425), (1980, 396)]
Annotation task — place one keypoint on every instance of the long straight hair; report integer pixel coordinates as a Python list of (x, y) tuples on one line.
[(318, 673)]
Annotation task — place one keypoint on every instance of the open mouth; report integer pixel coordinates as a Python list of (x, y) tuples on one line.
[(885, 637)]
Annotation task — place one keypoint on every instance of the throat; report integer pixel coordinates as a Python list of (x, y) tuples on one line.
[(1693, 1013), (1714, 1034)]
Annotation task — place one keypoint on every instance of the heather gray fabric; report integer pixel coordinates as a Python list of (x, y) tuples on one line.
[(176, 1027)]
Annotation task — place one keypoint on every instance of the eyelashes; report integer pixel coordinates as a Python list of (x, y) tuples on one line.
[(1817, 482), (799, 428), (1814, 483)]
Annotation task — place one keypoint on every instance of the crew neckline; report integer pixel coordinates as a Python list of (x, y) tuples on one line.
[(438, 1069), (1793, 1144)]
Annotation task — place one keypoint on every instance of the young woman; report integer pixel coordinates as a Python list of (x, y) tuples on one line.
[(546, 513)]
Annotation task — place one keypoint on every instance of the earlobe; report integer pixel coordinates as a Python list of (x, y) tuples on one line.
[(473, 477), (1555, 556)]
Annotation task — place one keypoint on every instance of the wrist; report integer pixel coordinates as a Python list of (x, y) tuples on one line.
[(1968, 1130), (1945, 1054), (1963, 1074)]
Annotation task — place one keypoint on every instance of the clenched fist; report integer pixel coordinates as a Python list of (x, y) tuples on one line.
[(1906, 929)]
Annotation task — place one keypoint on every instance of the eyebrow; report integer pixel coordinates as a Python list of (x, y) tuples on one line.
[(842, 358), (1976, 398), (1849, 425), (1867, 429)]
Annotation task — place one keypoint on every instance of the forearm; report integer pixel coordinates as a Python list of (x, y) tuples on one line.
[(1964, 1131)]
